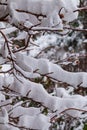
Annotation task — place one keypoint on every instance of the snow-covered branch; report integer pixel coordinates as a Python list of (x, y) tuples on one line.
[(26, 99)]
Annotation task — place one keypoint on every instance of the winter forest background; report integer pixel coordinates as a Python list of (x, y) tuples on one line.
[(43, 65)]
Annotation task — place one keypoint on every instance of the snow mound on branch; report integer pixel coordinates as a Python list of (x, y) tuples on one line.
[(43, 67), (40, 122), (36, 92), (3, 116), (50, 17), (18, 111)]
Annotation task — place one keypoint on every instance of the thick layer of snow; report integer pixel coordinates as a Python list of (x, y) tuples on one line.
[(20, 111), (25, 68), (40, 122), (3, 116), (45, 67), (38, 7), (37, 93)]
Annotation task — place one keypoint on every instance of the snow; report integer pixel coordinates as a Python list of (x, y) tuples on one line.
[(41, 8), (1, 81), (26, 74), (20, 84), (37, 93), (21, 36), (60, 92), (3, 116), (20, 111), (6, 102), (7, 127), (2, 97), (4, 50), (71, 78), (71, 6), (9, 30), (40, 122)]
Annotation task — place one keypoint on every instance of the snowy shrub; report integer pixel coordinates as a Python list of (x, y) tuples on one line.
[(30, 96)]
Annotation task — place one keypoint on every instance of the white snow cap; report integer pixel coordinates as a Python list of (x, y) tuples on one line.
[(40, 7), (3, 116), (39, 122), (71, 6)]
